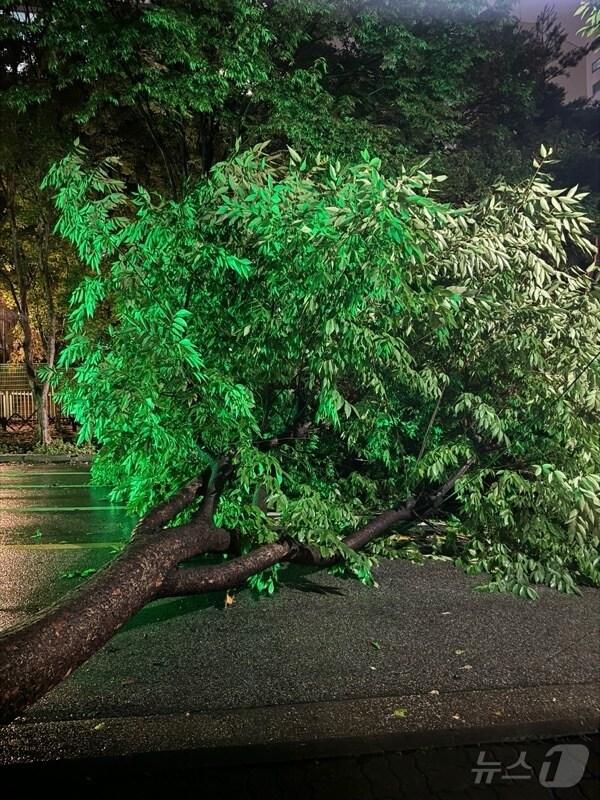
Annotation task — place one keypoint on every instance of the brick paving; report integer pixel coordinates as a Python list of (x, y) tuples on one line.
[(439, 774)]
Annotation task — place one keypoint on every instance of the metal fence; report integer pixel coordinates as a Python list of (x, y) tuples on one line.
[(17, 406)]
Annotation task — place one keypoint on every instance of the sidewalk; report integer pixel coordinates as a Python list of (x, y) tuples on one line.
[(328, 667), (42, 458)]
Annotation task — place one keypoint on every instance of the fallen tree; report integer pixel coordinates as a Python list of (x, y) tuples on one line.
[(301, 345), (37, 656)]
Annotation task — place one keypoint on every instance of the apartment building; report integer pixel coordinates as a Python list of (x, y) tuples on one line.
[(582, 81)]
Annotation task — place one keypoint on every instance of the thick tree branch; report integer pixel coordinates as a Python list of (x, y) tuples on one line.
[(164, 512), (38, 655), (209, 484), (197, 580), (190, 580)]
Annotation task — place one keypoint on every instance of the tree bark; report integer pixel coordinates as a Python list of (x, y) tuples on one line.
[(197, 580), (43, 422), (229, 575), (38, 655)]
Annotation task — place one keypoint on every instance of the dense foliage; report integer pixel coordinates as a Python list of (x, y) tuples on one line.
[(171, 86), (404, 337)]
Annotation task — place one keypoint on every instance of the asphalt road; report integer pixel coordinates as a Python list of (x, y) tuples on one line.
[(325, 660)]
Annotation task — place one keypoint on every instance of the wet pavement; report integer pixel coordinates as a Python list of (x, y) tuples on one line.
[(53, 527), (421, 656), (57, 502)]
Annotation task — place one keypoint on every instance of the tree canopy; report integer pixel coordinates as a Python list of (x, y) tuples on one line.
[(337, 291), (382, 338), (172, 85)]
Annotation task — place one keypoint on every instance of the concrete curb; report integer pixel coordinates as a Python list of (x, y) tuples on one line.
[(40, 458), (313, 730)]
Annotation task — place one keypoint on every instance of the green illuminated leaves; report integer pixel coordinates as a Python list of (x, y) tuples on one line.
[(409, 335), (265, 582), (180, 323)]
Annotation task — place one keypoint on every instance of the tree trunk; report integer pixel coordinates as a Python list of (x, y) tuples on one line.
[(43, 422), (39, 389), (38, 655)]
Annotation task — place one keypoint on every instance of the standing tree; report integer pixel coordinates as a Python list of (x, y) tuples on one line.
[(34, 264), (297, 358), (173, 84)]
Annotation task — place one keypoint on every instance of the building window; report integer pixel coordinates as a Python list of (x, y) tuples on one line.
[(596, 88), (596, 65)]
